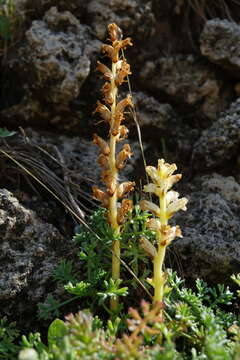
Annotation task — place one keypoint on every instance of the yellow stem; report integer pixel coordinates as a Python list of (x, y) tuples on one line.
[(158, 277), (158, 274), (112, 211)]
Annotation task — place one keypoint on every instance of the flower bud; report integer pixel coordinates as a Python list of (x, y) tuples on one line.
[(122, 156), (154, 224), (102, 144), (175, 206), (124, 188), (100, 195), (103, 161), (169, 234), (103, 111), (125, 207), (148, 247), (115, 32), (107, 73), (148, 205)]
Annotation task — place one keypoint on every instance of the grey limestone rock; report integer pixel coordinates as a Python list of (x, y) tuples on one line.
[(56, 60), (79, 155), (29, 9), (160, 121), (210, 247), (189, 81), (221, 141), (58, 54), (220, 43), (134, 16), (151, 112), (28, 249)]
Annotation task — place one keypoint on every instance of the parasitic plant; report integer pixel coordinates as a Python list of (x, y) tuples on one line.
[(112, 112), (169, 203)]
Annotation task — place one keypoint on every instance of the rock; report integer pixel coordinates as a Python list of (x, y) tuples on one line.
[(220, 43), (159, 122), (28, 250), (187, 81), (58, 54), (28, 11), (227, 187), (79, 157), (134, 17), (151, 112), (56, 61), (220, 142), (210, 247)]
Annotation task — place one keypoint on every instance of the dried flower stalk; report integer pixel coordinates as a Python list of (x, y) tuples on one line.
[(169, 203), (112, 112)]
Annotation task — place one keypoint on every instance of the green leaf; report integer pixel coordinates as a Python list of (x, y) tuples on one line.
[(80, 289), (64, 272), (49, 308), (112, 290), (4, 132), (56, 331), (4, 27)]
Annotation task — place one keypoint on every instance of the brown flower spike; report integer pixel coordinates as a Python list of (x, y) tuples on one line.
[(112, 112)]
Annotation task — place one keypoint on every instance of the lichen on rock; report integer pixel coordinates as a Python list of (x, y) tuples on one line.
[(211, 230), (28, 249), (133, 15), (188, 81), (56, 59), (219, 42)]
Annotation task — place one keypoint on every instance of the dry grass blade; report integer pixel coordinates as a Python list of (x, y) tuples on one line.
[(41, 174)]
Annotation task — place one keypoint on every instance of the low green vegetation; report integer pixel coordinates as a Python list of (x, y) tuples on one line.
[(201, 322)]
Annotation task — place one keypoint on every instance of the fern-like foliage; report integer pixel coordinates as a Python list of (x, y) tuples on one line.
[(8, 336)]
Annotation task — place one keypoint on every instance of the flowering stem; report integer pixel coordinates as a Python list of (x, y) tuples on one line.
[(112, 213), (158, 274), (111, 162), (169, 203), (159, 258)]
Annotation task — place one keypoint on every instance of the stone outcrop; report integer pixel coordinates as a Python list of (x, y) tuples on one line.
[(56, 61), (220, 142), (210, 247), (28, 250), (134, 16), (187, 81), (220, 43)]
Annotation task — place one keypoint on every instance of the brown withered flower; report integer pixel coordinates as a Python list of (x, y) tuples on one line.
[(112, 112)]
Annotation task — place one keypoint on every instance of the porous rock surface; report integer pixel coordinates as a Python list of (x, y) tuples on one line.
[(159, 121), (177, 95), (134, 16), (57, 57), (79, 155), (221, 141), (151, 112), (220, 43), (210, 247), (28, 250), (189, 81), (30, 10)]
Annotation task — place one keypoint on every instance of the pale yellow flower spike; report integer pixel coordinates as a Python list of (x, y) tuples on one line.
[(169, 203)]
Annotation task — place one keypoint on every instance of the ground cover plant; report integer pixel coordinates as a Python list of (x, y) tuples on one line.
[(131, 306)]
